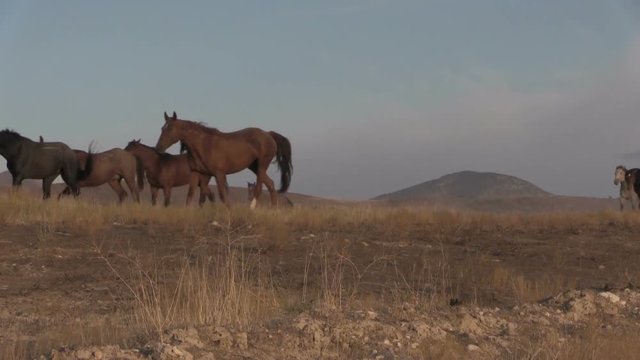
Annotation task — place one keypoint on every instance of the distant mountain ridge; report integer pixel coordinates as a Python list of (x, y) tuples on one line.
[(468, 184)]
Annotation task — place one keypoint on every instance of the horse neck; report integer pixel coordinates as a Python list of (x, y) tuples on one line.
[(10, 147), (149, 157), (191, 133), (625, 187)]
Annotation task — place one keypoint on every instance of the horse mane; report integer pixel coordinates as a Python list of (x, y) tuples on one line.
[(11, 133), (199, 125)]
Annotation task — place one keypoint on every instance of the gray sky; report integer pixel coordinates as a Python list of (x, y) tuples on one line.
[(374, 95)]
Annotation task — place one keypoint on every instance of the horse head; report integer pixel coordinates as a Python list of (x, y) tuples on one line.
[(619, 175), (132, 144), (169, 134)]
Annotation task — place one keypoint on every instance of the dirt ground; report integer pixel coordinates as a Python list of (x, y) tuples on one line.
[(410, 290)]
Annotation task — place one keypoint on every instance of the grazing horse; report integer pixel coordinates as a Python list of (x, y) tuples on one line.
[(251, 191), (216, 153), (111, 167), (166, 171), (27, 159), (629, 181)]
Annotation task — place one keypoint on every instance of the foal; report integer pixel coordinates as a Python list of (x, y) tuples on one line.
[(166, 171), (283, 200), (629, 181)]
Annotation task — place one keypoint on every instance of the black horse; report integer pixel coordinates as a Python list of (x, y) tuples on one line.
[(27, 159)]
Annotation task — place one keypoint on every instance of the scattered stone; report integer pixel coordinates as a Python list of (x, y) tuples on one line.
[(610, 296)]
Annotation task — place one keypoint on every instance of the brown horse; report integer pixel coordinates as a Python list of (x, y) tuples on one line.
[(217, 153), (110, 167), (167, 171)]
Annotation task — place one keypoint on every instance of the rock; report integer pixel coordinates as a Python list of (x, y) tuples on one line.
[(472, 347), (469, 325), (188, 338), (242, 341), (610, 296), (223, 337), (83, 354)]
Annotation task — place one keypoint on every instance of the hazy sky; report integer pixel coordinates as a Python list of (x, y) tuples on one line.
[(374, 95)]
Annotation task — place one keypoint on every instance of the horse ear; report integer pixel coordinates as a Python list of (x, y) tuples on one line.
[(175, 116)]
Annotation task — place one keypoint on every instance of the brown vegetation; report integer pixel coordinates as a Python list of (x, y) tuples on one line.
[(343, 281)]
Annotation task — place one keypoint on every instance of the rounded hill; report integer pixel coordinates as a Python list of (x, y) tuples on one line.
[(468, 184)]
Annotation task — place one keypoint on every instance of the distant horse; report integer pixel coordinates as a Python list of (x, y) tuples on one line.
[(166, 171), (27, 159), (217, 153), (251, 191), (629, 181), (111, 167)]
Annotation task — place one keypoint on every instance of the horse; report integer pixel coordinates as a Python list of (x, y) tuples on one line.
[(629, 181), (251, 190), (111, 167), (217, 153), (167, 171), (27, 159)]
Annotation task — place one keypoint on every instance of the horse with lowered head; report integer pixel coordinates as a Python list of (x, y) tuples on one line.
[(110, 167), (217, 153), (629, 180), (27, 159), (165, 171)]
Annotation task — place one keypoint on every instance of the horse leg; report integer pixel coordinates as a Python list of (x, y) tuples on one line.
[(167, 195), (131, 184), (65, 192), (46, 186), (269, 184), (154, 195), (272, 190), (193, 182), (17, 180), (204, 188), (221, 182), (621, 199), (257, 191), (117, 187)]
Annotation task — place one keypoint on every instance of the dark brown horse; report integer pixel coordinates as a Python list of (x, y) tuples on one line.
[(217, 153), (166, 171), (110, 167), (27, 159)]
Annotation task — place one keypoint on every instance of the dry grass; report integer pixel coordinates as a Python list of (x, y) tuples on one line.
[(228, 285), (591, 342), (207, 287)]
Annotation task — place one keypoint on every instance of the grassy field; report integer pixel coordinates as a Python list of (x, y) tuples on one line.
[(75, 274)]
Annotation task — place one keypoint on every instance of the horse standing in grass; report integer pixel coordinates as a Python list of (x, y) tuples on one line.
[(629, 181), (111, 167), (27, 159), (166, 171), (217, 153)]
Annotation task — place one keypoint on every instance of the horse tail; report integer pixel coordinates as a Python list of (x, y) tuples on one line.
[(82, 174), (283, 159), (139, 173)]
